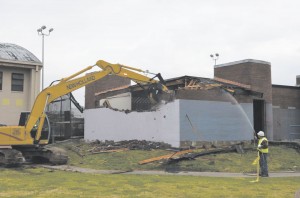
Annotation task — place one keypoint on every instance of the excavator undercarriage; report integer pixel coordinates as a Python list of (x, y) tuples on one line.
[(11, 157), (20, 155), (15, 155)]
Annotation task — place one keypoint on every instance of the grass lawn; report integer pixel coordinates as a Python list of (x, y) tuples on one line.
[(281, 158), (41, 182)]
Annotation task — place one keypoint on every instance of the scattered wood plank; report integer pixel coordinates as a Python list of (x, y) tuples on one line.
[(111, 151), (165, 156), (192, 156)]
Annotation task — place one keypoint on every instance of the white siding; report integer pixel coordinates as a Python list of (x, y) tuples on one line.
[(159, 125)]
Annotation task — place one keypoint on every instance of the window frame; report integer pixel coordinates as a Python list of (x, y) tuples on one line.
[(17, 82), (1, 80)]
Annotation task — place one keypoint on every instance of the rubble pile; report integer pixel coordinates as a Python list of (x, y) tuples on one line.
[(110, 145)]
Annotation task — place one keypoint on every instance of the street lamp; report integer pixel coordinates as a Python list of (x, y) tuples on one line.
[(215, 57), (41, 33)]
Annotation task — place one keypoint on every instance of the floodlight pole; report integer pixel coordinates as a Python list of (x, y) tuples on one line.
[(41, 33), (215, 57)]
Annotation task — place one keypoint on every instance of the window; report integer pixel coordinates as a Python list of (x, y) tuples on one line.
[(1, 77), (17, 82)]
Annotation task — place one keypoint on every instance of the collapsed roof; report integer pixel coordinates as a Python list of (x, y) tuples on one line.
[(140, 100)]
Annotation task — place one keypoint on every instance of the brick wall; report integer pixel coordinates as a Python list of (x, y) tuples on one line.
[(285, 96), (256, 74), (104, 84)]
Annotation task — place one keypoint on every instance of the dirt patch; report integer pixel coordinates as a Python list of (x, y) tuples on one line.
[(99, 146)]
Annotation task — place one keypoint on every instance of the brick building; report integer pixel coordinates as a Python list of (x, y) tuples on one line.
[(278, 111), (256, 74), (239, 100), (286, 112)]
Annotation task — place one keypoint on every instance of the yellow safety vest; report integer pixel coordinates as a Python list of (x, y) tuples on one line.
[(266, 150)]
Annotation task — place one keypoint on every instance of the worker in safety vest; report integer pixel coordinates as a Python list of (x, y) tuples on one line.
[(263, 150)]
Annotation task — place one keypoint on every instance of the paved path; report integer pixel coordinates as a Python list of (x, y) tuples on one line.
[(181, 173)]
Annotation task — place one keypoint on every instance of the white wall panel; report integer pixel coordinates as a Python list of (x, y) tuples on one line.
[(159, 125)]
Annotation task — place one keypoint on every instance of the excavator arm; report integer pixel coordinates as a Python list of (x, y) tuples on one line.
[(74, 82)]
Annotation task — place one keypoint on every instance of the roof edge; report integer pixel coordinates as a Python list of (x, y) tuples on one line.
[(21, 62), (243, 61), (286, 86)]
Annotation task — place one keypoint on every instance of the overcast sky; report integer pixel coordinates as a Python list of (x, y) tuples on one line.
[(173, 37)]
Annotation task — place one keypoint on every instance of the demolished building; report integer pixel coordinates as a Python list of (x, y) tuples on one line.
[(228, 108)]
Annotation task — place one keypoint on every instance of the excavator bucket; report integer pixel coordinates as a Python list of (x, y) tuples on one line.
[(155, 92), (158, 91)]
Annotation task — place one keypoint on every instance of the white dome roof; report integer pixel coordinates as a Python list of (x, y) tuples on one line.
[(14, 52)]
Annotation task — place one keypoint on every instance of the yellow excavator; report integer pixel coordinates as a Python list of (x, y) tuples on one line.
[(26, 143)]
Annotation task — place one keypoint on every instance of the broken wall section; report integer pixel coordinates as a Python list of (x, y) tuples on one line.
[(161, 125)]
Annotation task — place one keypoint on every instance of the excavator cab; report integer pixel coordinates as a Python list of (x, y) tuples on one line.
[(45, 136), (23, 118)]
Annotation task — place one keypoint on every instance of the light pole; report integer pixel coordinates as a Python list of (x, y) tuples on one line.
[(41, 33), (215, 57)]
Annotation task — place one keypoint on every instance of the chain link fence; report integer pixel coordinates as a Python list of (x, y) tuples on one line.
[(66, 118)]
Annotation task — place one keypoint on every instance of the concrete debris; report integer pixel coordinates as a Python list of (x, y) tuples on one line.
[(112, 146)]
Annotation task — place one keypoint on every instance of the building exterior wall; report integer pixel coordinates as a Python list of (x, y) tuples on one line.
[(286, 96), (16, 59), (160, 125), (12, 103), (286, 124), (208, 121), (257, 74), (286, 112), (175, 123), (104, 84)]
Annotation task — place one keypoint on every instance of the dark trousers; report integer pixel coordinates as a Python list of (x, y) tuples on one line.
[(263, 164)]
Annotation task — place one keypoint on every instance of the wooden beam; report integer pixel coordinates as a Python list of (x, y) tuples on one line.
[(165, 156)]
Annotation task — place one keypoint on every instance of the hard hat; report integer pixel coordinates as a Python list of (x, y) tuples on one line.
[(261, 133)]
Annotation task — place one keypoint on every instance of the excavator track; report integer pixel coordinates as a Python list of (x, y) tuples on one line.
[(20, 155), (11, 157), (52, 155)]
